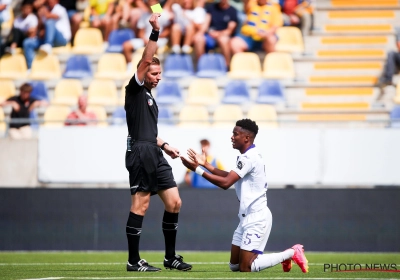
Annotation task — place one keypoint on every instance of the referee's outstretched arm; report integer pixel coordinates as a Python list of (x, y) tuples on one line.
[(150, 48)]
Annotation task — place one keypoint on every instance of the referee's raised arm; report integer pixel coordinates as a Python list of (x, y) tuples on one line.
[(150, 48)]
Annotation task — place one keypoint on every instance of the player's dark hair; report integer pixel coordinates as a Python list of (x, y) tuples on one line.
[(248, 125), (204, 142), (154, 61), (26, 87)]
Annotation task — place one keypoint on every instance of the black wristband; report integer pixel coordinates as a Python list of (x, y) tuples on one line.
[(154, 35), (162, 146)]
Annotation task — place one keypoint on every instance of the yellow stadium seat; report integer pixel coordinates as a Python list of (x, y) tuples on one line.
[(103, 93), (264, 115), (121, 99), (45, 67), (192, 116), (55, 115), (100, 113), (227, 115), (8, 24), (289, 39), (203, 92), (396, 99), (67, 92), (2, 123), (13, 67), (86, 17), (62, 50), (111, 66), (7, 89), (245, 66), (88, 41), (278, 66)]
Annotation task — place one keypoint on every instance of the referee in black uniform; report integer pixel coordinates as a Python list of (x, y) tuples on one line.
[(149, 171)]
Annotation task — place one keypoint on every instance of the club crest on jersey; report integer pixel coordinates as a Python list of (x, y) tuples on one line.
[(150, 102), (240, 165)]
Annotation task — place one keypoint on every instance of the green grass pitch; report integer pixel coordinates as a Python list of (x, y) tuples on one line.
[(206, 265)]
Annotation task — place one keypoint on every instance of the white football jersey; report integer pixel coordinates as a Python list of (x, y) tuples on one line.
[(252, 186)]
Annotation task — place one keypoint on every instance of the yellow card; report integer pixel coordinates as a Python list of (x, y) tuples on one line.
[(156, 8)]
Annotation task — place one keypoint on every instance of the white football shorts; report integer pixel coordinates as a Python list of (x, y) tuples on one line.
[(253, 231)]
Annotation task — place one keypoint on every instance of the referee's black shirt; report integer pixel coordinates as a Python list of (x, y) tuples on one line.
[(141, 112)]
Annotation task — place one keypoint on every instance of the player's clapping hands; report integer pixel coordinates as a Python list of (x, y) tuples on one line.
[(197, 158)]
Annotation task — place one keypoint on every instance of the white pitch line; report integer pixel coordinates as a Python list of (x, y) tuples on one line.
[(116, 263), (194, 278)]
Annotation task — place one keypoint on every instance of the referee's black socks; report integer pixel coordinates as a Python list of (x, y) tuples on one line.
[(133, 231), (170, 227)]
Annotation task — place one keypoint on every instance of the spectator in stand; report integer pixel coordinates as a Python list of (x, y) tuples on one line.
[(298, 13), (74, 16), (392, 65), (259, 30), (54, 30), (101, 13), (4, 11), (144, 31), (22, 105), (195, 180), (189, 16), (81, 116), (218, 28), (127, 14), (24, 26)]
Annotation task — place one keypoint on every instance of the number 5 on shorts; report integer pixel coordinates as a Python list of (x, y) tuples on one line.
[(248, 241)]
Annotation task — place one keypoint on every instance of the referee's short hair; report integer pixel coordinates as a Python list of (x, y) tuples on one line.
[(154, 61), (248, 125)]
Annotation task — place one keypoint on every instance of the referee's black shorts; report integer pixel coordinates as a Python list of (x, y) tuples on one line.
[(148, 170)]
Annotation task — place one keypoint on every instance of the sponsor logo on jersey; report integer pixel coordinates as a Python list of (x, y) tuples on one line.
[(240, 165)]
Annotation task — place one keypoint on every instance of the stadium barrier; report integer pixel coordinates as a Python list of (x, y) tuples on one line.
[(352, 220)]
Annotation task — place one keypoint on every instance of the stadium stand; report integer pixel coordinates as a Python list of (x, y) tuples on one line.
[(39, 91), (165, 116), (168, 93), (236, 92), (117, 38), (55, 115), (78, 67), (192, 116), (211, 65), (395, 117), (88, 41), (396, 99), (271, 91), (225, 115), (290, 40), (2, 123), (265, 115), (45, 67), (100, 113), (103, 93), (111, 66), (119, 116), (278, 66), (203, 92), (178, 66), (13, 67), (245, 66), (67, 92), (7, 89)]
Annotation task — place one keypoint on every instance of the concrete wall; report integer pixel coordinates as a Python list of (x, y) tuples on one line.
[(95, 219)]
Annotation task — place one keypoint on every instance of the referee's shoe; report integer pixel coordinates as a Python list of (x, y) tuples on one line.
[(141, 266), (177, 263)]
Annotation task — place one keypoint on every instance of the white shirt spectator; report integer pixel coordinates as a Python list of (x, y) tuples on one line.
[(62, 23), (5, 14), (25, 24)]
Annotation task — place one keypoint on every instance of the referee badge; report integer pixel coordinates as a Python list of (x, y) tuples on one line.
[(150, 102)]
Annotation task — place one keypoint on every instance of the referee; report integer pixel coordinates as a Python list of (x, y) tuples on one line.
[(149, 171)]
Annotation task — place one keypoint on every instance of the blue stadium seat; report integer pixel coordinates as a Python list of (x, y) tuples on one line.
[(168, 92), (271, 92), (39, 91), (119, 116), (178, 66), (78, 67), (211, 65), (34, 119), (236, 92), (165, 115), (117, 38), (395, 117)]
